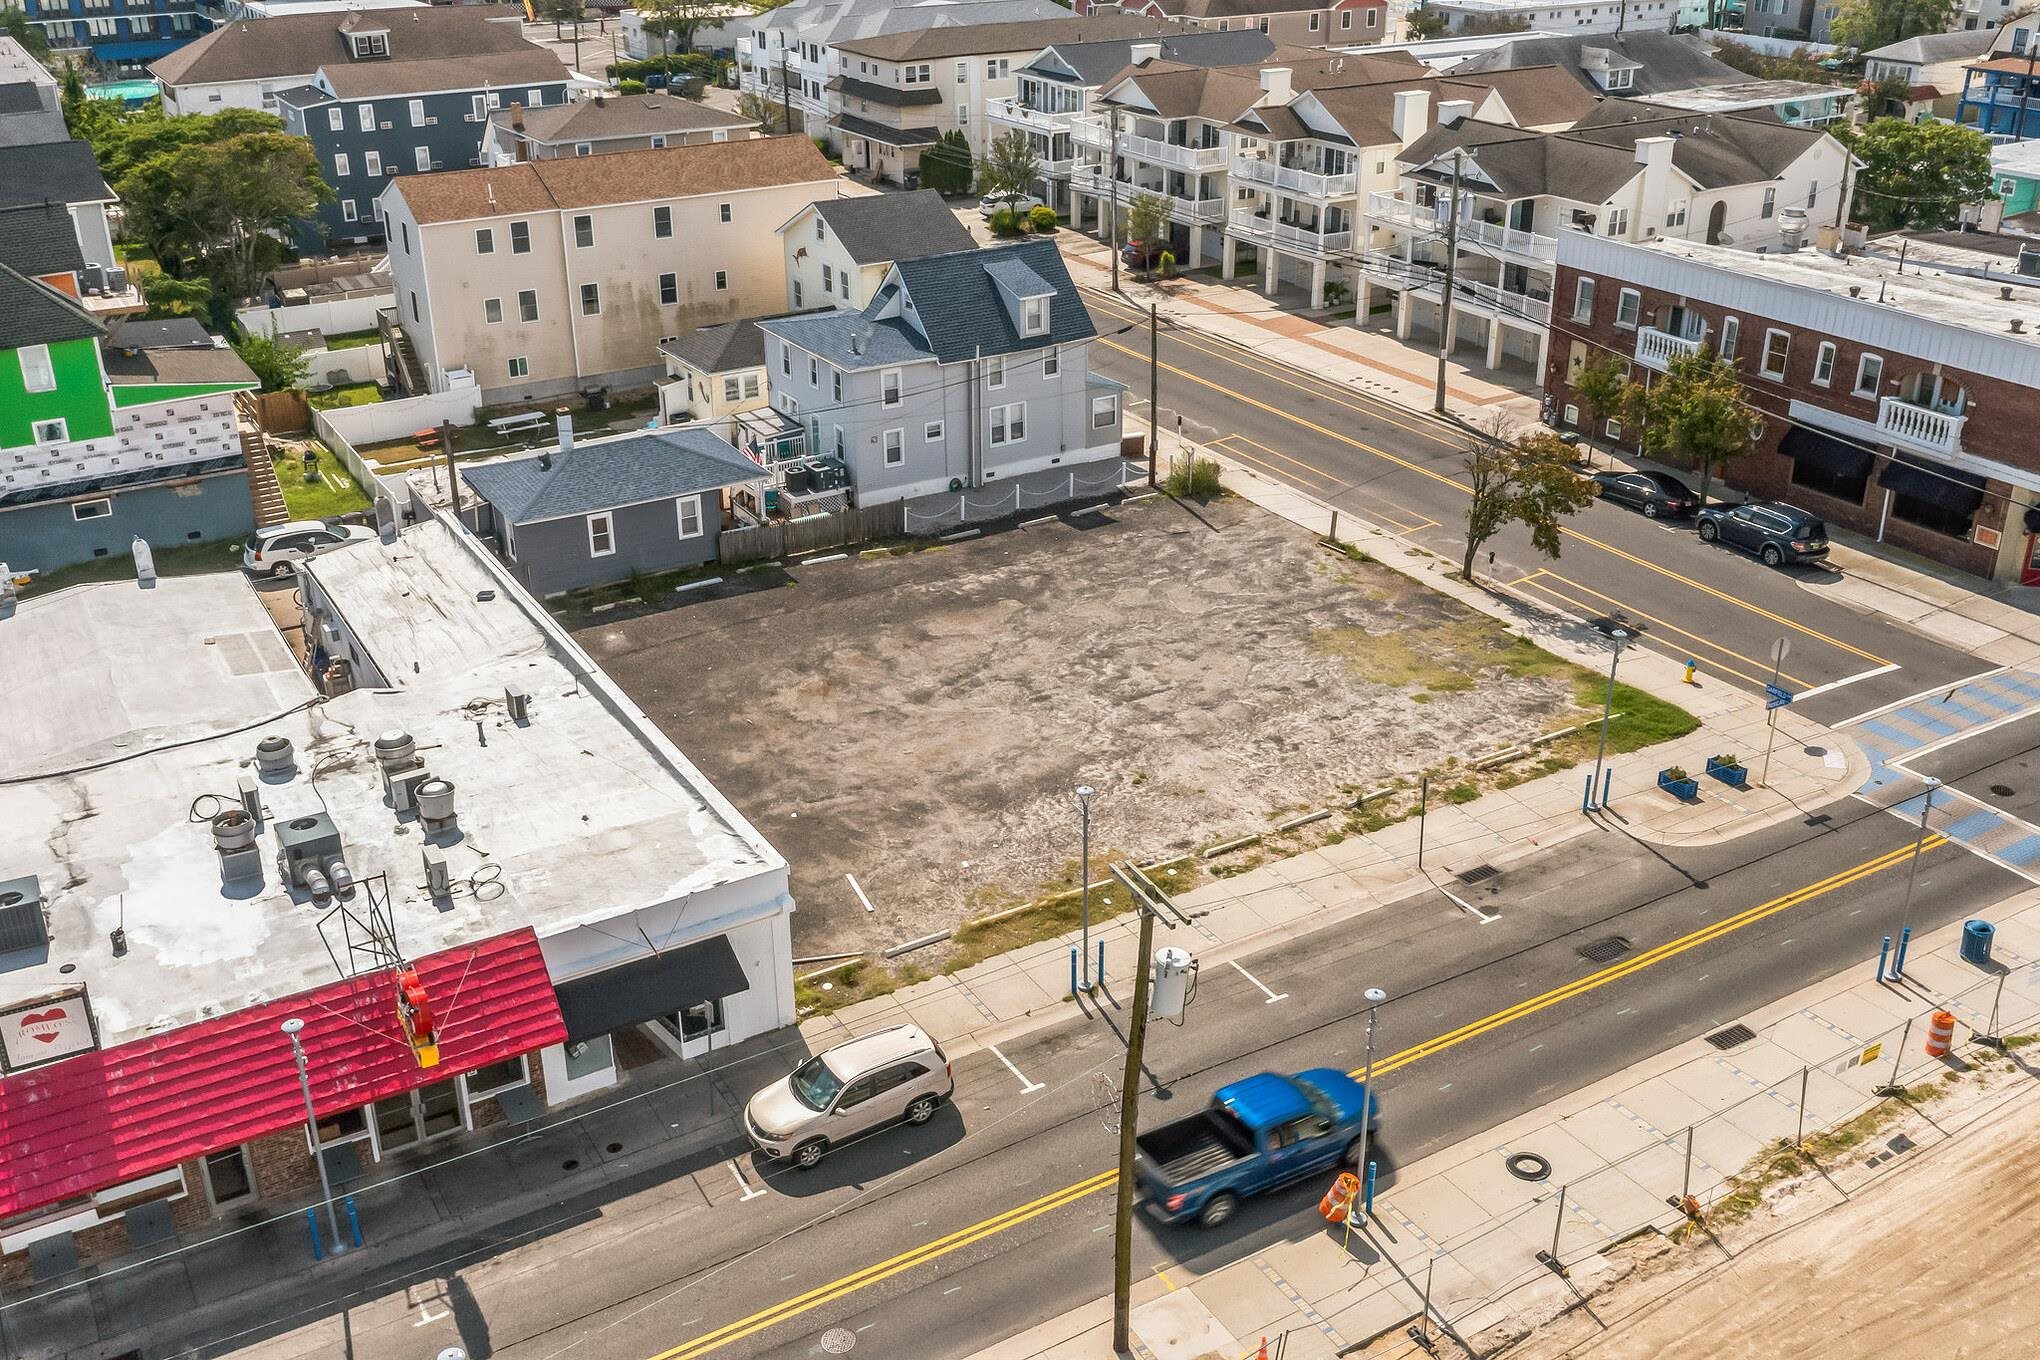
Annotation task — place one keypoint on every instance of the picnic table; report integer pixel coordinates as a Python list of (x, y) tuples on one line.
[(519, 423)]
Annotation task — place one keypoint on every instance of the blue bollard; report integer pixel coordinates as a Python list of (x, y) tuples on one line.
[(1898, 959), (353, 1222), (1882, 955), (1099, 978), (1367, 1200), (1587, 798), (1607, 784), (312, 1222), (1073, 972)]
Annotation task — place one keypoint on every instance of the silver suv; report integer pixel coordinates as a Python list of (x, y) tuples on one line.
[(836, 1096)]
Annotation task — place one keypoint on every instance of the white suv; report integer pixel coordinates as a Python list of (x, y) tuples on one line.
[(277, 549), (834, 1097)]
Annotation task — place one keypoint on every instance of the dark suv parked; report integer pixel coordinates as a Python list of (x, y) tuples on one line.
[(1773, 530)]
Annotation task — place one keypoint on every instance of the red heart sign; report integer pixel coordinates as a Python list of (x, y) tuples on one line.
[(44, 1025)]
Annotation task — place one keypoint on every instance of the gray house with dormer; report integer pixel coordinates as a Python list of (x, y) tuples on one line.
[(965, 368)]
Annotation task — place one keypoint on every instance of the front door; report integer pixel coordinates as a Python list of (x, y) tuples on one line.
[(416, 1116), (2029, 575)]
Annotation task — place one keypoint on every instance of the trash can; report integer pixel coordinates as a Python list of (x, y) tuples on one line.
[(1976, 938)]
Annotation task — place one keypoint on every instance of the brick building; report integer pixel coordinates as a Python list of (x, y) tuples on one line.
[(1896, 401)]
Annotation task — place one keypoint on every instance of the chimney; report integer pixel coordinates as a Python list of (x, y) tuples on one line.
[(1412, 114), (1654, 151), (517, 115), (566, 422), (1654, 154), (1141, 53), (1275, 85), (1451, 111)]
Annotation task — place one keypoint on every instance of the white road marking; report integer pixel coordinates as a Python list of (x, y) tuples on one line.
[(1948, 688), (1026, 1087), (953, 1289), (426, 1315), (1465, 905), (1806, 694), (1272, 997), (750, 1191), (859, 891)]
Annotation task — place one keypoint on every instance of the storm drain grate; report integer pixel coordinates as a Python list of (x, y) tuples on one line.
[(1605, 951), (1726, 1039), (1479, 873)]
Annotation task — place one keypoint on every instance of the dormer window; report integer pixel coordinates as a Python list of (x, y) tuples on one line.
[(1034, 316), (376, 44), (1622, 78)]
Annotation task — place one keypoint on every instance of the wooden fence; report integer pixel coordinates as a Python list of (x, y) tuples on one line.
[(845, 528), (277, 412)]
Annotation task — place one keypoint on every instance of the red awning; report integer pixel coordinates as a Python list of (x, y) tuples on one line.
[(140, 1107)]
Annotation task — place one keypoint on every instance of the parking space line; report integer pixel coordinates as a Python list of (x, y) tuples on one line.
[(750, 1191), (1026, 1087), (1272, 997), (1374, 499), (860, 892)]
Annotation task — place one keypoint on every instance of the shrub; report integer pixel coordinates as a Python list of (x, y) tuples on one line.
[(1196, 477), (1675, 773), (1041, 217), (1004, 223), (1165, 263), (630, 87)]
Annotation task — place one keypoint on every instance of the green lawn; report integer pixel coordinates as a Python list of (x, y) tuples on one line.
[(183, 559), (352, 340), (351, 394), (333, 492)]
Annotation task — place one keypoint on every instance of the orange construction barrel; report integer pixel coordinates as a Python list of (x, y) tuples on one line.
[(1339, 1198), (1940, 1034)]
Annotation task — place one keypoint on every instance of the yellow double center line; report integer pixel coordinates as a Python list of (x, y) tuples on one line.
[(1104, 1180)]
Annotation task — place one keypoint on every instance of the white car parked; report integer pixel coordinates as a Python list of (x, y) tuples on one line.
[(888, 1076), (1021, 205), (276, 550)]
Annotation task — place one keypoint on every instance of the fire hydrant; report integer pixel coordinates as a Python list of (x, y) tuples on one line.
[(1692, 668)]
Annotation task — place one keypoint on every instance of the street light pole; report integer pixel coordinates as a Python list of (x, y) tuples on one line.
[(1620, 637), (1112, 200), (1374, 996), (292, 1028), (1084, 795), (1912, 875)]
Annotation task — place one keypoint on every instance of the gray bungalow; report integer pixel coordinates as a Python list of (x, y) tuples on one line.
[(965, 368), (589, 514)]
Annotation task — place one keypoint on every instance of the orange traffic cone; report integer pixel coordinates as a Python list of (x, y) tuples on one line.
[(1264, 1350)]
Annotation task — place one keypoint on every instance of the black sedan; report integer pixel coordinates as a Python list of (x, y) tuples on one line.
[(1655, 493)]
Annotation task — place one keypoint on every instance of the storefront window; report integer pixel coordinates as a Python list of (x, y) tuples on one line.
[(484, 1082), (228, 1177), (592, 1058), (346, 1126)]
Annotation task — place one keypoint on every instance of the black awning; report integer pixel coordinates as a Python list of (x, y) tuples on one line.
[(1827, 452), (658, 984), (1923, 479)]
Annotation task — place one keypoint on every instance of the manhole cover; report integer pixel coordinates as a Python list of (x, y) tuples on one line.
[(2003, 790), (1477, 874), (838, 1340), (1528, 1166), (1725, 1039), (1605, 951)]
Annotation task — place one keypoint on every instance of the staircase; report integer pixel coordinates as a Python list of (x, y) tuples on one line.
[(263, 488), (407, 373)]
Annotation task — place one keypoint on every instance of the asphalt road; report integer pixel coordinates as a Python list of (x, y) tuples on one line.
[(934, 1242), (1401, 470)]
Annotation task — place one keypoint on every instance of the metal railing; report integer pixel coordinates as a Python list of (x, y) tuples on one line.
[(1919, 427), (1388, 210), (1092, 179), (1307, 240), (1017, 114), (1095, 130), (1262, 170)]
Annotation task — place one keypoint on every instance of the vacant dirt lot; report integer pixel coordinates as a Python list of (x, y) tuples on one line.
[(921, 720)]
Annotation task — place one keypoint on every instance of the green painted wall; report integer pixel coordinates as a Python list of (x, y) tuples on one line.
[(148, 394), (79, 398), (2020, 193)]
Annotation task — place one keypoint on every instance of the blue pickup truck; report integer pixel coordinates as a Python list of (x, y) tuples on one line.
[(1255, 1135)]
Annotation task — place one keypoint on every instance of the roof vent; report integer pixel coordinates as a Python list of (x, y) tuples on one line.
[(22, 925), (396, 750), (2018, 326), (857, 340), (435, 804), (1855, 290), (275, 756), (2005, 292)]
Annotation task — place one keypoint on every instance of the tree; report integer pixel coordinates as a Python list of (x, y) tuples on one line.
[(1695, 417), (768, 113), (220, 206), (1477, 24), (176, 297), (15, 24), (1602, 386), (1147, 221), (677, 21), (1010, 167), (1526, 480), (281, 367), (946, 166), (1424, 22), (1870, 24), (1916, 174)]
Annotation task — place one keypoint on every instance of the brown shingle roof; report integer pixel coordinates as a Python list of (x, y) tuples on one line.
[(508, 72), (964, 40), (299, 44), (623, 177)]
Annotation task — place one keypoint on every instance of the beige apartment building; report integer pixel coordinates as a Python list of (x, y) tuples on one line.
[(1295, 23), (562, 275)]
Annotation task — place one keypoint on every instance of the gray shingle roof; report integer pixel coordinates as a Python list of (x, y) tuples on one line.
[(724, 348), (40, 240), (957, 303), (883, 135), (850, 339), (1928, 48), (631, 115), (31, 314), (1095, 62), (50, 172), (299, 44), (632, 469), (1018, 279), (894, 226), (1669, 62)]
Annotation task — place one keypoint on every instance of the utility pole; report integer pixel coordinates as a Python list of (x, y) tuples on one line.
[(1154, 389), (1445, 298), (292, 1028), (1112, 198), (1150, 901), (1373, 996)]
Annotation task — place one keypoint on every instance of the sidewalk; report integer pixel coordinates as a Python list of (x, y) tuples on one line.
[(1460, 1222)]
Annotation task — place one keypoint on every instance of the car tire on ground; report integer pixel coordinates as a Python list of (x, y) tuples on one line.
[(1772, 557), (1218, 1209), (1650, 510), (1351, 1157), (1709, 531), (281, 571), (921, 1111), (810, 1153)]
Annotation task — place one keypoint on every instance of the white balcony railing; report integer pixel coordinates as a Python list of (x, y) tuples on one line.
[(1197, 212), (1303, 240), (1094, 130), (1919, 427), (1655, 349), (1013, 113), (1506, 303), (1262, 171), (1388, 210)]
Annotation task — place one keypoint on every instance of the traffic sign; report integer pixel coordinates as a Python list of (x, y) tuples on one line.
[(1780, 649), (1776, 696)]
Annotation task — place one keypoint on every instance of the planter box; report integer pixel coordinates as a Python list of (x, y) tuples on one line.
[(1735, 776), (1686, 790)]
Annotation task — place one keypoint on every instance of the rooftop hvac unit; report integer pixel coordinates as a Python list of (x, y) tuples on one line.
[(308, 856), (21, 915)]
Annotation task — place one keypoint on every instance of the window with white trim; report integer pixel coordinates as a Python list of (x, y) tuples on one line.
[(1628, 305), (814, 371), (931, 433), (89, 510), (348, 212), (366, 114), (1051, 362), (889, 392), (1777, 349), (662, 221), (336, 118), (751, 388), (995, 372), (828, 279), (837, 445), (1104, 411), (1869, 376), (669, 289), (1676, 215), (520, 238), (520, 367), (730, 390), (836, 384), (492, 311), (485, 241), (1824, 364), (1731, 335), (342, 166), (1033, 316), (37, 373), (229, 1176), (1770, 203), (527, 304), (421, 157), (584, 148), (690, 516), (1009, 424), (1618, 221), (722, 281), (591, 299), (371, 162), (497, 1078), (894, 443), (601, 535), (584, 231), (1583, 300), (723, 211), (417, 113)]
